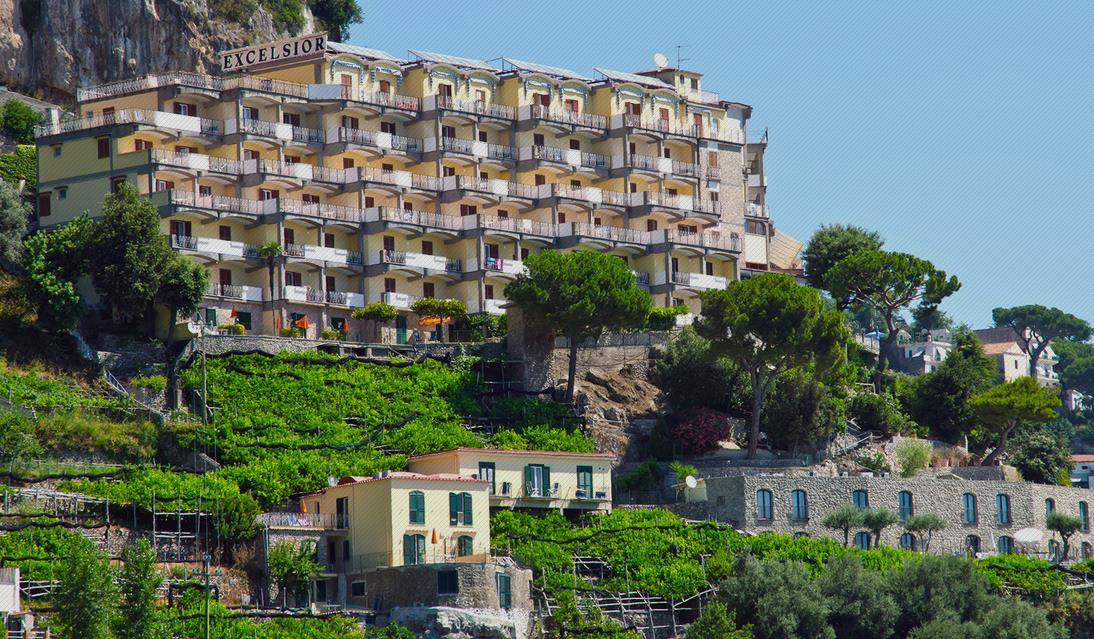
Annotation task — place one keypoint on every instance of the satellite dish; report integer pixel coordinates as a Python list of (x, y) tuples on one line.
[(691, 481), (660, 60), (332, 481)]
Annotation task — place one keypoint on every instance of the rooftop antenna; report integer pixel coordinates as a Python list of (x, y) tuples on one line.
[(679, 50)]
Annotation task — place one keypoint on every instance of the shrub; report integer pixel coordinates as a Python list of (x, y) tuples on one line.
[(701, 431), (235, 329), (879, 412), (873, 461), (912, 456), (332, 334), (683, 470), (645, 477), (291, 331), (154, 383), (376, 312), (692, 376), (663, 318), (18, 121)]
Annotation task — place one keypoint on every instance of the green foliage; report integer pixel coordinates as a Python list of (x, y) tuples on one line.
[(390, 631), (54, 260), (119, 440), (768, 324), (645, 477), (1064, 525), (18, 120), (128, 254), (18, 436), (542, 437), (924, 526), (478, 326), (226, 623), (888, 282), (441, 309), (335, 16), (44, 542), (873, 461), (376, 312), (845, 518), (154, 383), (232, 329), (663, 318), (237, 517), (691, 376), (927, 317), (681, 471), (876, 520), (1036, 326), (912, 456), (181, 287), (1040, 456), (1035, 576), (139, 583), (86, 600), (36, 387), (861, 605), (940, 399), (717, 623), (778, 599), (332, 334), (940, 588), (20, 165), (292, 566), (803, 409), (832, 243), (288, 15), (13, 222), (1076, 365), (879, 412), (1000, 409)]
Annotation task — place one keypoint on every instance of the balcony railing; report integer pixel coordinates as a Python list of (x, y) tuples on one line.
[(498, 265), (195, 80), (389, 100), (325, 521), (221, 202), (399, 300), (699, 280), (236, 291), (615, 233), (499, 151), (418, 218), (756, 210), (478, 107), (345, 298), (458, 145), (421, 260), (377, 139), (197, 161), (325, 211), (158, 119), (680, 202), (567, 116), (512, 225), (707, 239)]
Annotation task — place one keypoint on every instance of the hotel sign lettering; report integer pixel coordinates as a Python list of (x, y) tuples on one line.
[(274, 52)]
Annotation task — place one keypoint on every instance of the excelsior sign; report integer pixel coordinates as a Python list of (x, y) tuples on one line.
[(280, 51)]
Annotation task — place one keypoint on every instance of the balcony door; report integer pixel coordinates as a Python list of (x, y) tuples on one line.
[(341, 513), (486, 473), (537, 480), (585, 481)]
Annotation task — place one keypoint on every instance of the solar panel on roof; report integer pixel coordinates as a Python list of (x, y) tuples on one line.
[(532, 67), (364, 52), (454, 60), (623, 76)]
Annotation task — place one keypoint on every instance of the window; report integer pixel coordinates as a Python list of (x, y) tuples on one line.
[(224, 233), (505, 591), (1084, 516), (357, 589), (224, 276), (561, 218), (860, 499), (427, 247), (904, 505), (293, 278), (183, 108), (972, 543), (1005, 545), (43, 204), (1050, 505), (289, 236), (469, 209), (1002, 507), (448, 582), (385, 86), (328, 240), (243, 318), (541, 99), (413, 550), (181, 228), (387, 127), (141, 145), (585, 481), (291, 118), (448, 131), (429, 289), (651, 225), (250, 113), (417, 507), (104, 147), (482, 136), (267, 194), (488, 293), (571, 105), (575, 145), (465, 546), (347, 163), (862, 540), (444, 90), (537, 480), (907, 541), (540, 179), (968, 514), (763, 505), (56, 150), (799, 506), (116, 183), (1054, 551), (389, 285), (459, 509)]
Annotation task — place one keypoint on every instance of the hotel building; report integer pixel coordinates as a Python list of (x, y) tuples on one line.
[(389, 179)]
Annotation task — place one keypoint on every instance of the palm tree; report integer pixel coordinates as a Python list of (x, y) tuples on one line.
[(271, 252)]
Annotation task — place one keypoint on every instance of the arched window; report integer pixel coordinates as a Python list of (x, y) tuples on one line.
[(972, 542), (1050, 506), (907, 541), (799, 505), (417, 507), (1084, 516), (1086, 550), (904, 505), (1002, 508), (860, 499), (968, 514), (1005, 545), (465, 546), (763, 505), (862, 540), (1053, 550)]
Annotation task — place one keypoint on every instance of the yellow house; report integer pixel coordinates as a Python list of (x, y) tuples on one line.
[(530, 478), (404, 518)]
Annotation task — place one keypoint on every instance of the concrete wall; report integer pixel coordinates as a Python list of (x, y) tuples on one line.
[(417, 586), (733, 500)]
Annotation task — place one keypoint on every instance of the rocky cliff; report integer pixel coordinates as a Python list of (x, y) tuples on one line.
[(48, 48)]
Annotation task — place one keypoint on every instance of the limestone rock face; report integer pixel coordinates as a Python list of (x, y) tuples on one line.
[(49, 48), (463, 623)]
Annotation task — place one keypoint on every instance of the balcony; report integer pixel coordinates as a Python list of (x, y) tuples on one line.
[(513, 225), (181, 124), (236, 292), (707, 239), (756, 210), (600, 232), (563, 116), (499, 188), (345, 298), (676, 202), (197, 162), (402, 301), (325, 211), (211, 246), (402, 179), (570, 157), (506, 267), (390, 100), (589, 194), (699, 280), (374, 139), (424, 219), (655, 164), (494, 307), (222, 203), (300, 171), (420, 260), (474, 107), (643, 279), (535, 491), (276, 130), (322, 254), (305, 294), (292, 521), (192, 80), (756, 181)]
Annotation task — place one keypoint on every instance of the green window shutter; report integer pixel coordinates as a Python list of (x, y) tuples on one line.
[(467, 509), (527, 477), (420, 542), (408, 550), (453, 509), (585, 480), (546, 480)]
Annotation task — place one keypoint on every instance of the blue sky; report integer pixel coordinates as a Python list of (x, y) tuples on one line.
[(961, 134)]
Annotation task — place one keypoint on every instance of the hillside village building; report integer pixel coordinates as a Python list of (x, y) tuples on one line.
[(389, 179), (1002, 345)]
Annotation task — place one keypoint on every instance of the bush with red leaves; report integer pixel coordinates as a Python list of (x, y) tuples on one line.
[(700, 430)]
